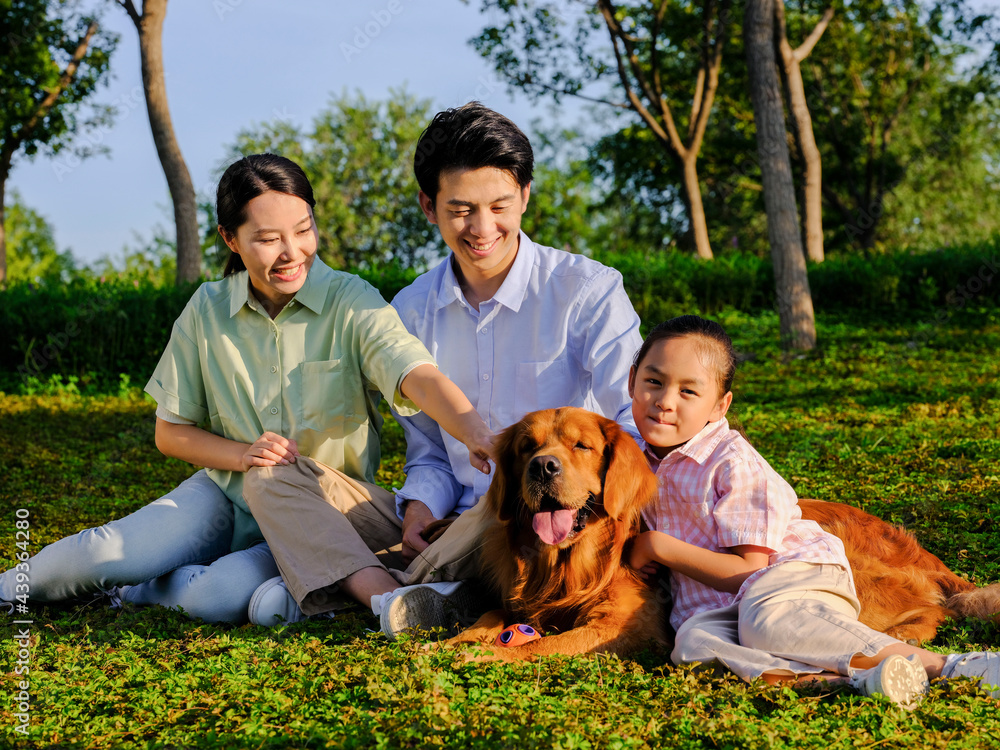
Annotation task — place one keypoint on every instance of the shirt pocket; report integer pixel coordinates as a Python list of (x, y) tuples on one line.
[(330, 394), (543, 385)]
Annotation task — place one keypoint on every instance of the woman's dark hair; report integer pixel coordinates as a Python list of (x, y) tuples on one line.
[(717, 346), (248, 178), (471, 137)]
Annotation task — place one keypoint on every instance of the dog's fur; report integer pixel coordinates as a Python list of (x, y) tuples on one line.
[(580, 591), (904, 590)]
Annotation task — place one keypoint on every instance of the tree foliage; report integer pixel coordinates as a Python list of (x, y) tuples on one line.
[(32, 254), (358, 155), (903, 101), (52, 60), (901, 110), (659, 59)]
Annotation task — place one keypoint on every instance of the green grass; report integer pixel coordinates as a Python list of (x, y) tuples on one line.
[(907, 432)]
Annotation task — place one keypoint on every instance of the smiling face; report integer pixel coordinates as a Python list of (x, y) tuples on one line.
[(567, 475), (675, 393), (478, 212), (277, 243)]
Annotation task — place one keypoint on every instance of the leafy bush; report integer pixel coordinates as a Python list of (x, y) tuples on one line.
[(91, 329), (95, 330), (901, 285)]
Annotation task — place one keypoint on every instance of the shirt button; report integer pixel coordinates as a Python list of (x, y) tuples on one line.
[(482, 330), (274, 409), (274, 368), (486, 376)]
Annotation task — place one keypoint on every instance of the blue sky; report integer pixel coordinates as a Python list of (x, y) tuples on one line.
[(231, 64)]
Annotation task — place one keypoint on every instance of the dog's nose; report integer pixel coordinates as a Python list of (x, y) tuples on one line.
[(544, 468)]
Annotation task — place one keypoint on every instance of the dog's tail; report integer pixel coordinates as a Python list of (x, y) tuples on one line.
[(982, 603)]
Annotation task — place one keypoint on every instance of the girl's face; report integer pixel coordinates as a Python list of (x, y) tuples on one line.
[(674, 395), (277, 243)]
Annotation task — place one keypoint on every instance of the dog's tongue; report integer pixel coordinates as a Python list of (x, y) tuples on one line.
[(553, 526)]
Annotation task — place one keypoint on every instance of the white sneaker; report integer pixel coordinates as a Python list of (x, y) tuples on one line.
[(901, 680), (272, 604), (984, 665), (426, 606)]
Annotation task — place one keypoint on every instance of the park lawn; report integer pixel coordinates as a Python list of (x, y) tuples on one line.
[(899, 421)]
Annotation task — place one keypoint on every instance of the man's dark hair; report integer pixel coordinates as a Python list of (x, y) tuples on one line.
[(471, 137)]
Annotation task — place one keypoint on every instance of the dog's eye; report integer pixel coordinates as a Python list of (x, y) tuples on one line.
[(527, 447), (581, 447)]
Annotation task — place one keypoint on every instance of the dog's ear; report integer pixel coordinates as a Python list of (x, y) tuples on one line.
[(629, 484), (506, 485)]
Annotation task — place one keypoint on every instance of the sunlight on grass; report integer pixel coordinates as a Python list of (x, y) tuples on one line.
[(907, 431)]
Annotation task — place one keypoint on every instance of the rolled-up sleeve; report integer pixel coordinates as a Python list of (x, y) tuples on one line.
[(177, 383), (388, 352), (429, 476), (745, 512)]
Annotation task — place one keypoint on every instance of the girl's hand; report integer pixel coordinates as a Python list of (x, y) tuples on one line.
[(270, 449), (649, 571), (641, 558)]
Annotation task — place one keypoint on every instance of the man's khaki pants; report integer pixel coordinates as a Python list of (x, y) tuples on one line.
[(322, 526)]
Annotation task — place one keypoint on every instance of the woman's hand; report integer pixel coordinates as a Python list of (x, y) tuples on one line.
[(482, 448), (270, 449)]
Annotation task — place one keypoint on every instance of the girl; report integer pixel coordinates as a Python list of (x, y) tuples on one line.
[(282, 358), (755, 586)]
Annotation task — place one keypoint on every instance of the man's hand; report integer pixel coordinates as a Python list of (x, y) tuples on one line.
[(415, 519), (270, 449)]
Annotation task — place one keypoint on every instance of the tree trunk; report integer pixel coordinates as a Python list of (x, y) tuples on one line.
[(696, 208), (813, 188), (150, 28), (795, 308), (799, 107), (660, 120), (3, 231)]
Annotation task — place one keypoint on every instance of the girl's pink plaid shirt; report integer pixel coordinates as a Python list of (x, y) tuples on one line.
[(717, 492)]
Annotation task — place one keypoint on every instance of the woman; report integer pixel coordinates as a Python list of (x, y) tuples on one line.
[(284, 356)]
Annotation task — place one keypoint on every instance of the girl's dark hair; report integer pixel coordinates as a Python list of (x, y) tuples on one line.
[(248, 178), (471, 137), (718, 347)]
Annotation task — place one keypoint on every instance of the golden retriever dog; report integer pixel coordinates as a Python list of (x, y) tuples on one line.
[(567, 496)]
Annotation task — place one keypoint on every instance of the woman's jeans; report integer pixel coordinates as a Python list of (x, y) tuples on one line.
[(176, 549)]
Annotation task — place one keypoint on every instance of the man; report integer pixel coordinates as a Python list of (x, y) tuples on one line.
[(516, 325)]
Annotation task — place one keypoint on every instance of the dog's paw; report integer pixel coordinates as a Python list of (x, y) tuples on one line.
[(479, 655)]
